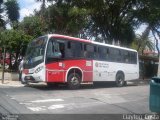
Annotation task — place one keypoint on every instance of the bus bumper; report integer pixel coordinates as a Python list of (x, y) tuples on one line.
[(32, 78)]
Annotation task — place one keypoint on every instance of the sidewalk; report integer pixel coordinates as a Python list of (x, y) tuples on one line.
[(144, 81), (10, 79)]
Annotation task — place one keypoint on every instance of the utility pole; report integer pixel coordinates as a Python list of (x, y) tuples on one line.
[(3, 67)]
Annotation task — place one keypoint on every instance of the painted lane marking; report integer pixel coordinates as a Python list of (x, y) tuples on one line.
[(37, 109), (41, 101), (44, 108), (55, 106), (25, 103), (47, 100)]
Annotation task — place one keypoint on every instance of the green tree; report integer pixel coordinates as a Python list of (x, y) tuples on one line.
[(141, 44), (152, 19), (112, 19), (15, 42), (2, 23), (42, 12), (65, 19), (32, 26), (143, 41), (12, 9), (116, 19)]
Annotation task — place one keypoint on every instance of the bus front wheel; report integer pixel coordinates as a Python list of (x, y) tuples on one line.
[(73, 81), (120, 80)]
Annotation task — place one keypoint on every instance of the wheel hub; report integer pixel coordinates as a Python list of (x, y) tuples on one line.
[(74, 80)]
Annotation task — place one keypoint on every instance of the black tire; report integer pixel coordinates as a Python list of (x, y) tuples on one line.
[(125, 83), (26, 84), (74, 81), (23, 82), (120, 82)]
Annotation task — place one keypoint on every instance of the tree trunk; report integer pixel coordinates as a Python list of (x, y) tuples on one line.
[(10, 63)]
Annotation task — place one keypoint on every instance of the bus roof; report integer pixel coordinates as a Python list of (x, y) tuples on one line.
[(89, 41), (69, 37), (119, 47)]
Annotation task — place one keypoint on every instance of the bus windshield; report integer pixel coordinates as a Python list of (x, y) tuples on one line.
[(35, 52)]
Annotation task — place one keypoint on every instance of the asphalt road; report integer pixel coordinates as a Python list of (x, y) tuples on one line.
[(101, 101)]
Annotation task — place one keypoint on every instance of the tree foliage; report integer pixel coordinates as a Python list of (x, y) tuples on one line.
[(15, 42), (32, 26), (12, 9), (149, 12), (141, 44), (9, 9), (2, 22), (63, 18), (111, 18), (103, 20)]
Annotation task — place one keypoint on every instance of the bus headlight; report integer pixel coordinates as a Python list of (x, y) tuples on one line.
[(38, 69)]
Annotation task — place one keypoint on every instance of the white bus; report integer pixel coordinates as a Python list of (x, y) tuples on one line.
[(63, 59)]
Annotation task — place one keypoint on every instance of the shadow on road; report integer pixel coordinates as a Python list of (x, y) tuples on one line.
[(87, 86)]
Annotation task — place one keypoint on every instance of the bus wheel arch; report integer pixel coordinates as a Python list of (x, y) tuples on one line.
[(120, 79), (74, 78)]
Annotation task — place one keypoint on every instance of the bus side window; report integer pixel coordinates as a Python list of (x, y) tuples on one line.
[(107, 54), (133, 57), (119, 56), (126, 57), (78, 53), (74, 49), (95, 52), (50, 49), (85, 51), (62, 49), (69, 53), (111, 55), (88, 51), (53, 50), (103, 53)]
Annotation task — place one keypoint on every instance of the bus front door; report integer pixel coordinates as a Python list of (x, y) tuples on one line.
[(55, 72)]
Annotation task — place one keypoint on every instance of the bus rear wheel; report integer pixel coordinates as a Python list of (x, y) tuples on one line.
[(120, 82), (74, 81)]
